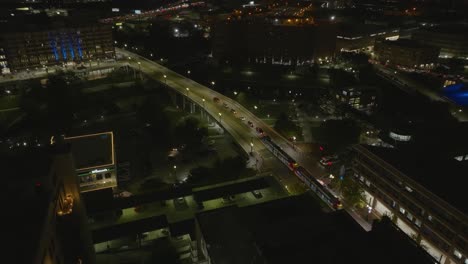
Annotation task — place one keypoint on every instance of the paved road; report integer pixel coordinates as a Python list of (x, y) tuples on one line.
[(239, 129)]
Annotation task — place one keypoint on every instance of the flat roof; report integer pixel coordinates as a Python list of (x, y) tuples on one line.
[(296, 230), (92, 150), (441, 175)]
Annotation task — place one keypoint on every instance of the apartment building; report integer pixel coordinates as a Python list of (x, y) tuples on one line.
[(423, 193)]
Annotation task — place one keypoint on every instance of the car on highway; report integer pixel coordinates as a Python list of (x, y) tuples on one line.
[(242, 118), (250, 123), (225, 105), (259, 130), (233, 111), (216, 99)]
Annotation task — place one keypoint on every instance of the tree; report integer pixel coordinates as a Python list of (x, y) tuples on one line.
[(63, 98), (337, 135), (352, 192), (151, 114), (190, 132), (164, 252), (286, 126)]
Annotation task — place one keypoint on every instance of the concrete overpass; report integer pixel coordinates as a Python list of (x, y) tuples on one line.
[(202, 98)]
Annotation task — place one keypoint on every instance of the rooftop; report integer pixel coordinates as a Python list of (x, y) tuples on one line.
[(92, 150), (439, 174), (295, 229), (23, 199), (406, 43)]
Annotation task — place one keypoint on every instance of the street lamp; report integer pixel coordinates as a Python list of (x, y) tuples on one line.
[(165, 78), (203, 100), (188, 72), (175, 171), (255, 107), (251, 147), (294, 142), (235, 93), (187, 90), (220, 116)]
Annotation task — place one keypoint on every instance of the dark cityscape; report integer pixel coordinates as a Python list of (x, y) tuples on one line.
[(234, 132)]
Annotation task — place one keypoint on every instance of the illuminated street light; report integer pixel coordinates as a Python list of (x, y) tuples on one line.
[(332, 18), (251, 147), (203, 100), (235, 93), (165, 79), (213, 83), (188, 72), (255, 107), (187, 90), (175, 171), (220, 116)]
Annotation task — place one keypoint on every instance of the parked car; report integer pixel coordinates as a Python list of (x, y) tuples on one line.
[(250, 123), (242, 118), (328, 160), (257, 194)]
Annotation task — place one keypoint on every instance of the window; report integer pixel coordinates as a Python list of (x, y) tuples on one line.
[(418, 222), (457, 253), (409, 216), (402, 210)]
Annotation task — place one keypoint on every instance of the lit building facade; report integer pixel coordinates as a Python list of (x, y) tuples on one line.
[(452, 40), (363, 99), (362, 37), (274, 42), (68, 45), (47, 195), (406, 53), (95, 160), (438, 225)]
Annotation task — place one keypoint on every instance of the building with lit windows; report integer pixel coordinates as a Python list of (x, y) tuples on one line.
[(94, 156), (452, 40), (272, 42), (423, 193), (405, 53), (361, 98), (62, 44), (47, 222), (358, 37)]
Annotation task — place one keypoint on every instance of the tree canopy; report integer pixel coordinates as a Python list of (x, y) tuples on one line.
[(337, 134)]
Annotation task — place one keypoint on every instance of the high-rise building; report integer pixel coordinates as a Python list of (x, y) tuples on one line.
[(46, 220)]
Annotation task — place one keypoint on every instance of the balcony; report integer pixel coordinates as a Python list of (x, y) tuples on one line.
[(67, 206)]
